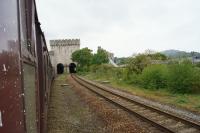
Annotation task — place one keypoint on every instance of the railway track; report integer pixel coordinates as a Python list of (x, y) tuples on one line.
[(162, 120)]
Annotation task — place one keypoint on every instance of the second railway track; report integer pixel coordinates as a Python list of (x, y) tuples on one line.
[(160, 119)]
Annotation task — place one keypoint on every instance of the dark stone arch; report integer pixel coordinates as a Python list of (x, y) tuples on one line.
[(60, 68)]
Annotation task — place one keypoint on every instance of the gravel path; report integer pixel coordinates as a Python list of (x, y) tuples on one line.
[(68, 114)]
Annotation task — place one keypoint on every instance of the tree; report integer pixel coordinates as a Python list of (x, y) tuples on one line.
[(122, 60), (149, 51), (138, 63), (100, 57), (83, 58), (157, 56)]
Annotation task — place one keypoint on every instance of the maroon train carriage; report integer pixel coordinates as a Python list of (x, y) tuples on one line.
[(26, 72)]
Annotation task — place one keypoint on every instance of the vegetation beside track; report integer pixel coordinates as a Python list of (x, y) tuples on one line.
[(114, 78), (151, 75)]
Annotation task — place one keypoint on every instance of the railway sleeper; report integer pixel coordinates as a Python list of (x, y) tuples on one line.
[(151, 114), (178, 126), (124, 103), (130, 105), (158, 117), (167, 122), (189, 130)]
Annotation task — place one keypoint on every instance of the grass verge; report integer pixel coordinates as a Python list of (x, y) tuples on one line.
[(186, 101)]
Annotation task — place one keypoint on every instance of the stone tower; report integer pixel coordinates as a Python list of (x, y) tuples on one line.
[(61, 51)]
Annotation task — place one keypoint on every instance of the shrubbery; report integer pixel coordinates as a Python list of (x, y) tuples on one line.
[(104, 70), (154, 77), (177, 78), (196, 80), (129, 77), (180, 78)]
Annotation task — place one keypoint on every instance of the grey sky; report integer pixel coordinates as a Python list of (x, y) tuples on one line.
[(124, 26)]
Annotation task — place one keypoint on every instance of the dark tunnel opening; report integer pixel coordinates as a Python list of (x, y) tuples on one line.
[(60, 68), (72, 68)]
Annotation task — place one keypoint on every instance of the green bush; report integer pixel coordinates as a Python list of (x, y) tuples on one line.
[(117, 73), (183, 78), (198, 64), (93, 68), (196, 80), (154, 77), (129, 77), (138, 63), (105, 70)]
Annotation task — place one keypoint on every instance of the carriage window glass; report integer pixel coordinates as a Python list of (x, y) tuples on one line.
[(23, 25), (33, 32), (28, 25), (8, 25)]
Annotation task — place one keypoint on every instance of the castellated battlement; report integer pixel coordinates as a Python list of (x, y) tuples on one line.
[(64, 42)]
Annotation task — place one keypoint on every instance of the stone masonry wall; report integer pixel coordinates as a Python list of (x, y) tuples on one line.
[(61, 51)]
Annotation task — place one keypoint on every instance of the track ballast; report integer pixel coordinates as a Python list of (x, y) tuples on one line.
[(158, 118)]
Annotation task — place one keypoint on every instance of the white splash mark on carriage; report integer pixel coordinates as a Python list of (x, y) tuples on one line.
[(4, 68), (1, 123)]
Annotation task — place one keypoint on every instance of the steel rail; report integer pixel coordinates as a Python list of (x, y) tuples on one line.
[(160, 112)]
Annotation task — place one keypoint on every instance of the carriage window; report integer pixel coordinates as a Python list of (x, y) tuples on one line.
[(27, 25), (33, 31), (8, 25), (23, 25)]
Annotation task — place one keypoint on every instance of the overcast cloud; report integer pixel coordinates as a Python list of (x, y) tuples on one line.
[(124, 26)]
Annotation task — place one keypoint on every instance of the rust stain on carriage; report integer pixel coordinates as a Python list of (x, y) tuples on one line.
[(11, 104), (11, 98)]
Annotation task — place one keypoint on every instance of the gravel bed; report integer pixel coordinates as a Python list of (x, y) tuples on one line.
[(115, 119), (168, 108)]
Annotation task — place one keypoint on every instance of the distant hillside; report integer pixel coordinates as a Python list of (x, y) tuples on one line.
[(179, 54)]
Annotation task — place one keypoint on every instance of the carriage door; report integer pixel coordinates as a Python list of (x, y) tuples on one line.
[(29, 67), (30, 98)]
